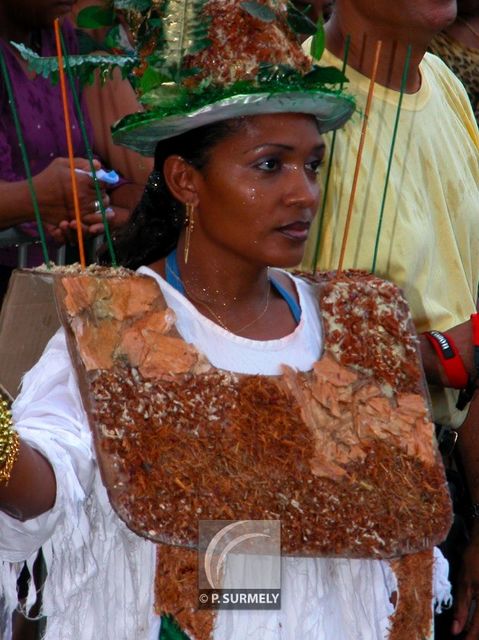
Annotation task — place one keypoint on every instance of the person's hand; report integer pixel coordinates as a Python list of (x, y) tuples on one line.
[(92, 224), (466, 611), (57, 232), (116, 216), (54, 191), (65, 233)]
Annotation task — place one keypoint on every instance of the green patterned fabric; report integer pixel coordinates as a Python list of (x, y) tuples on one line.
[(170, 630)]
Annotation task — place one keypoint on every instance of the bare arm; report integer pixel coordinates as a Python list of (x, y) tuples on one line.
[(31, 489), (467, 588)]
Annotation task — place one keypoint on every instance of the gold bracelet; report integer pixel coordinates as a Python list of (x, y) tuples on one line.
[(9, 443)]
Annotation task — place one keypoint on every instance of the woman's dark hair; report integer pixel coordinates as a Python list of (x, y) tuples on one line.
[(155, 225)]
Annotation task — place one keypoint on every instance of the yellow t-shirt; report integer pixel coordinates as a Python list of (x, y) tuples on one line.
[(429, 239)]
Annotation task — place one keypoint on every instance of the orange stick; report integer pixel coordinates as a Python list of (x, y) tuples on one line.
[(71, 157), (360, 154)]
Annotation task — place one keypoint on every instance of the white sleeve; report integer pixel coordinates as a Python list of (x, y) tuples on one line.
[(49, 415)]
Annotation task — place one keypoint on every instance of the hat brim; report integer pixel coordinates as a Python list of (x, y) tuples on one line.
[(141, 131)]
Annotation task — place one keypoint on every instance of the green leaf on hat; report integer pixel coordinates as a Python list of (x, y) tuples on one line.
[(260, 11), (318, 43), (95, 17), (299, 21), (275, 72), (113, 39), (325, 75), (151, 79), (184, 31), (205, 83), (165, 93), (81, 66)]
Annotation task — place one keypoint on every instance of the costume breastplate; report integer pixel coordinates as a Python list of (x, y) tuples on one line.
[(344, 455)]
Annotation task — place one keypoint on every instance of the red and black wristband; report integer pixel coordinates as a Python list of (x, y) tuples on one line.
[(450, 358), (453, 365)]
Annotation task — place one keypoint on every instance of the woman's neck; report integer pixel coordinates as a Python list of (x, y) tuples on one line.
[(221, 279), (392, 54), (235, 295)]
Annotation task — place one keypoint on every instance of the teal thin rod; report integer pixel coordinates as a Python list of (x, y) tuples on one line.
[(89, 151), (26, 163), (405, 74), (347, 43)]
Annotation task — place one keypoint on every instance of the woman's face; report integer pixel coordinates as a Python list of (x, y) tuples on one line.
[(258, 192)]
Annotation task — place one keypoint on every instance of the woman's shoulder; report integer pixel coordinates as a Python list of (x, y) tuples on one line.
[(292, 281), (302, 289)]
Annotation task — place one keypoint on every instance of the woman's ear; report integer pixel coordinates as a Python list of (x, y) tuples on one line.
[(180, 177)]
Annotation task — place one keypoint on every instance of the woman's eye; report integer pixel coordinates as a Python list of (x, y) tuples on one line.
[(270, 164), (314, 166)]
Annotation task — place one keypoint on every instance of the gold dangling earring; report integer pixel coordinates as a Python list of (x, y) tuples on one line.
[(189, 223)]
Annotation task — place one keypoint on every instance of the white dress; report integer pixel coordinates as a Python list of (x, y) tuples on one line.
[(100, 574)]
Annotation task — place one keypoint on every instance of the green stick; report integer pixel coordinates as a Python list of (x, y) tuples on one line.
[(391, 153)]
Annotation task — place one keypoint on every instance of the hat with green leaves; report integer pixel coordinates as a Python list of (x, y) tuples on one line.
[(195, 62)]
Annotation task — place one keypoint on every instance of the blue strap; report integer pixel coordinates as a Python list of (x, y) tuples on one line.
[(174, 280), (288, 298), (173, 273)]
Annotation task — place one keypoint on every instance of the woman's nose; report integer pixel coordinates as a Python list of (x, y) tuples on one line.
[(301, 188)]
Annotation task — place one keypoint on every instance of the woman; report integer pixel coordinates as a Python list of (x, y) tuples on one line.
[(246, 187), (261, 171), (252, 183)]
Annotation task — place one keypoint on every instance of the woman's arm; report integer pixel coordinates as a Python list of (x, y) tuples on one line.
[(31, 489), (55, 467)]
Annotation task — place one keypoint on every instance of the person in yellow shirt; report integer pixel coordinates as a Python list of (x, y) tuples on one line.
[(428, 238)]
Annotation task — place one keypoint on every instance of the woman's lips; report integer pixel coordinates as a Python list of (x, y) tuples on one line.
[(296, 230)]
